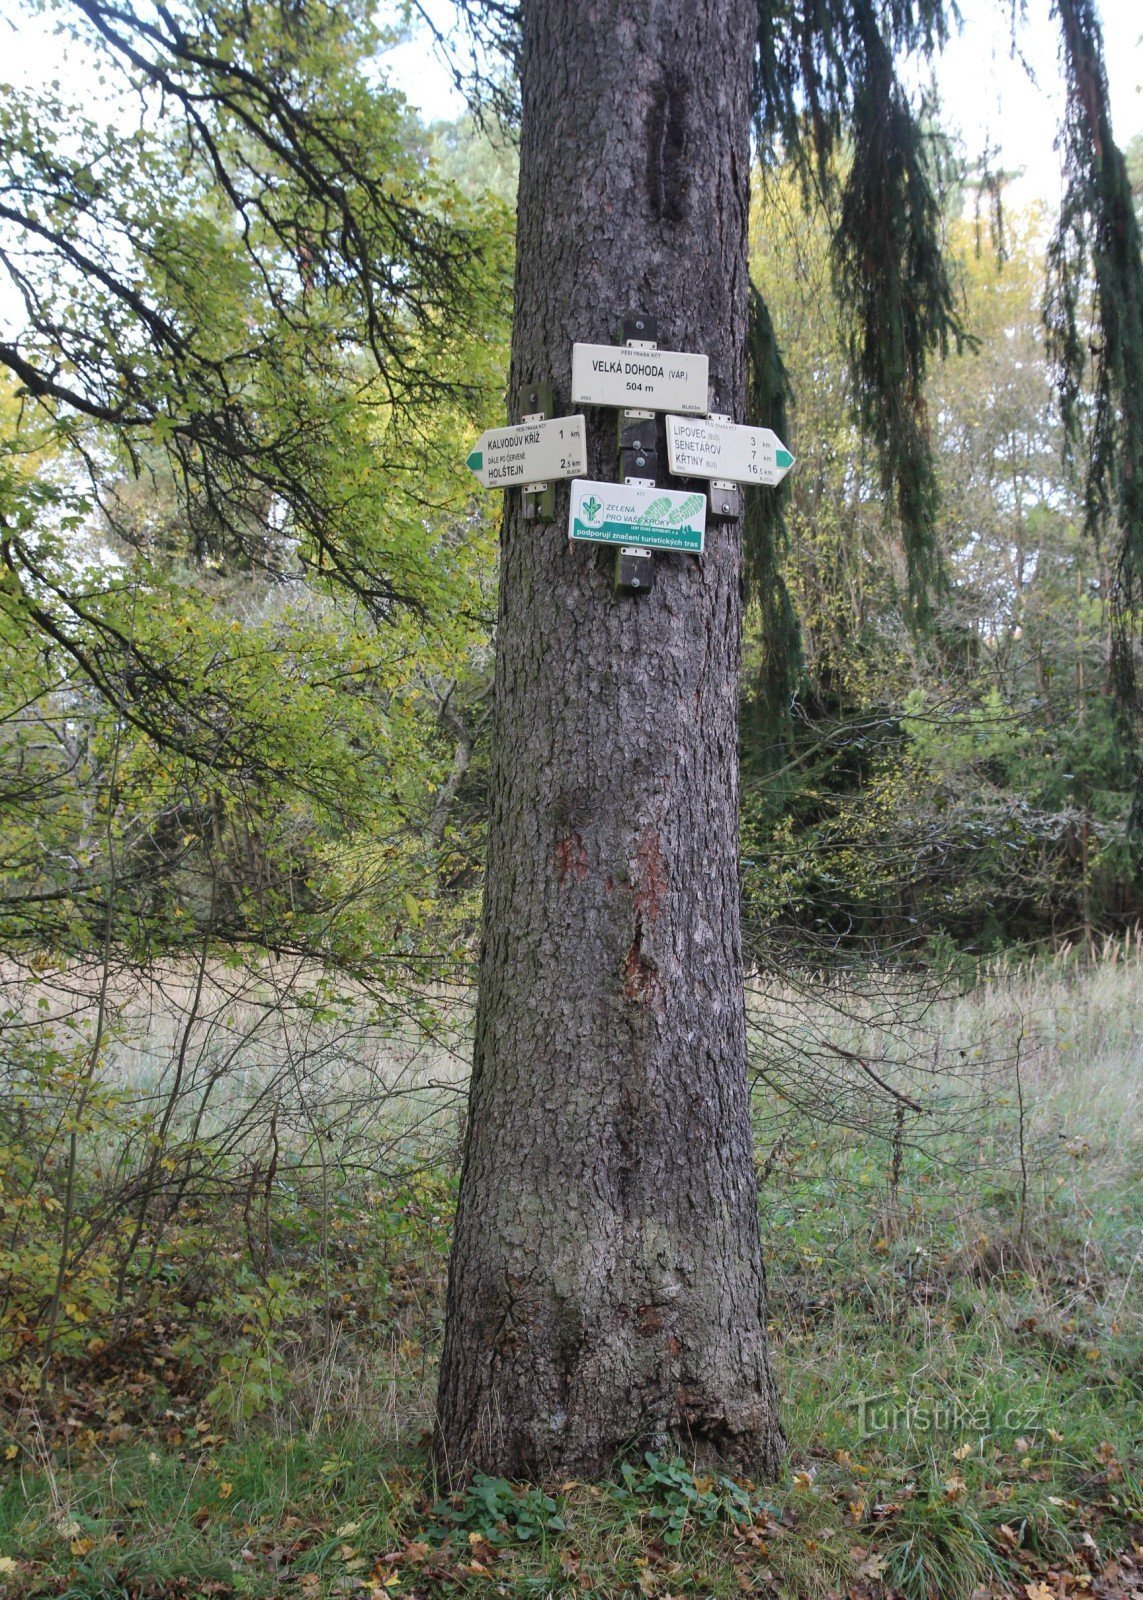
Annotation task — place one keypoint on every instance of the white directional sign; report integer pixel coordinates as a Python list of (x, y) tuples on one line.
[(530, 452), (641, 380), (708, 449), (637, 514)]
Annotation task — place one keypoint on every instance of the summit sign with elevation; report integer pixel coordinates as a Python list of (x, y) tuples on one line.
[(639, 378)]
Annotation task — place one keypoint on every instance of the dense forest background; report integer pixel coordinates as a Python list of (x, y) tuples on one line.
[(212, 733)]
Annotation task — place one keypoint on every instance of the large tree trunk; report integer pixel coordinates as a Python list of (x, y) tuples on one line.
[(606, 1284)]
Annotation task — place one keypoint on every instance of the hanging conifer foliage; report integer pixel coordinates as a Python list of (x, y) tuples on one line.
[(765, 536), (824, 73), (1096, 276)]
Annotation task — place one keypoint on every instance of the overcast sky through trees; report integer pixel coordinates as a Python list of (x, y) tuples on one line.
[(992, 101), (988, 96)]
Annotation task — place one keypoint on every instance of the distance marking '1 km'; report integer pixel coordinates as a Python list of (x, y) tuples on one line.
[(640, 380), (637, 514), (530, 452), (701, 448)]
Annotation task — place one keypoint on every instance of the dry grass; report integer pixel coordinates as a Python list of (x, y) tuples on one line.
[(980, 1252)]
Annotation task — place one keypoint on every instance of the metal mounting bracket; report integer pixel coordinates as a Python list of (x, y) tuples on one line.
[(538, 500), (638, 436), (725, 500), (634, 569), (634, 564)]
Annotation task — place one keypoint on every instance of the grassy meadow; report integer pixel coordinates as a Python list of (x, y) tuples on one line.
[(228, 1388)]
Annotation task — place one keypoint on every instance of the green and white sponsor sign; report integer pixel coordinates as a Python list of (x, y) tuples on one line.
[(635, 514)]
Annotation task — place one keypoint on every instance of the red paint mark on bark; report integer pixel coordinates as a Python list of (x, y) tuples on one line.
[(571, 858)]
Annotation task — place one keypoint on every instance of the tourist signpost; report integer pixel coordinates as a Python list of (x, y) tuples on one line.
[(639, 377), (530, 452), (711, 447)]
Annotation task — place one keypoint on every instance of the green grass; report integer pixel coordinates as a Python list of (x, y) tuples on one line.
[(981, 1312)]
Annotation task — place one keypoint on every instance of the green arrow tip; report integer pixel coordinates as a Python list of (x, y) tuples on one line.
[(782, 457), (475, 460)]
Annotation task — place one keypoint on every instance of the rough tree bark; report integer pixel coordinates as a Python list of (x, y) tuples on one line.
[(606, 1285)]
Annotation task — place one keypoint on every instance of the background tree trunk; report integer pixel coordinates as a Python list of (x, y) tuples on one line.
[(606, 1284)]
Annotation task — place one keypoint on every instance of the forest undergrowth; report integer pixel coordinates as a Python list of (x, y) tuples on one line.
[(226, 1204)]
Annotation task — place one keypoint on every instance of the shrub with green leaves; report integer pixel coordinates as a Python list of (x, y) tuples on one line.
[(670, 1493), (498, 1511)]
